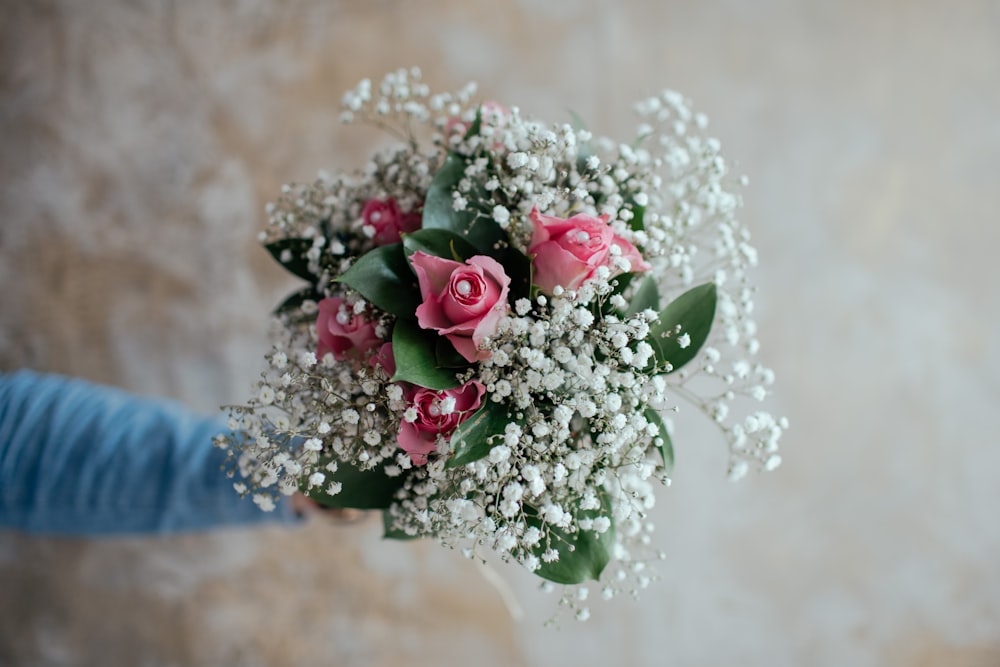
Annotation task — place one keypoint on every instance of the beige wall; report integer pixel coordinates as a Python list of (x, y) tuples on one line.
[(141, 140)]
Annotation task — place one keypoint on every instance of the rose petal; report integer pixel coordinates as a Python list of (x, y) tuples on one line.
[(458, 309), (385, 359), (466, 347), (488, 324), (418, 445), (540, 231), (431, 316), (631, 253), (411, 222), (555, 265), (354, 338), (432, 273), (327, 310), (469, 396), (383, 216)]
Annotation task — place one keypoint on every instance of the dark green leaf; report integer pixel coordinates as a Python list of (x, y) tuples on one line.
[(645, 296), (383, 277), (391, 533), (637, 223), (693, 313), (440, 243), (444, 490), (641, 138), (439, 212), (590, 551), (517, 265), (621, 284), (293, 303), (667, 447), (585, 149), (447, 356), (476, 124), (295, 261), (473, 439), (360, 489), (416, 359)]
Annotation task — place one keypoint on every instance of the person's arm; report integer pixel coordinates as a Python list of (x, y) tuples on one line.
[(83, 459)]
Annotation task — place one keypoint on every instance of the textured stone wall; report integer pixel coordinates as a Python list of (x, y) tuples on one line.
[(142, 139)]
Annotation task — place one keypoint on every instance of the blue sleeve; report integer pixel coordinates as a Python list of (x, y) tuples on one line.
[(82, 459)]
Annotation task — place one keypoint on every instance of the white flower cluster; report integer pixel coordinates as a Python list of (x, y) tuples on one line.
[(583, 451), (576, 386), (701, 239), (677, 180), (328, 212)]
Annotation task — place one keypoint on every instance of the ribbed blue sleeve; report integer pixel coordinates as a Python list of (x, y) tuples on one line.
[(83, 459)]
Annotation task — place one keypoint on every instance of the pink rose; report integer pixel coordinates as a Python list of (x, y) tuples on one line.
[(384, 216), (463, 302), (438, 413), (567, 252), (343, 332)]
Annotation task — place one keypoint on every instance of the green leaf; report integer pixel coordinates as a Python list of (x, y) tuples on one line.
[(440, 243), (447, 356), (476, 124), (638, 221), (693, 313), (360, 489), (641, 138), (294, 302), (646, 296), (295, 260), (585, 149), (384, 278), (590, 553), (471, 440), (415, 351), (391, 533), (578, 123), (439, 212), (444, 490), (517, 265), (621, 283), (667, 447)]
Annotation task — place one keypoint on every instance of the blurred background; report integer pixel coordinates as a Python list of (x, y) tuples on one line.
[(141, 141)]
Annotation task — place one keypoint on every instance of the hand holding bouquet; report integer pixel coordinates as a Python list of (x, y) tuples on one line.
[(493, 329)]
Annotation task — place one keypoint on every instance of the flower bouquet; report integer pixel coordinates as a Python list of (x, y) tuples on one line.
[(495, 326)]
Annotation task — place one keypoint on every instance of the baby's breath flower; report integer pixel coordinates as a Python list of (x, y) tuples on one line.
[(501, 215)]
